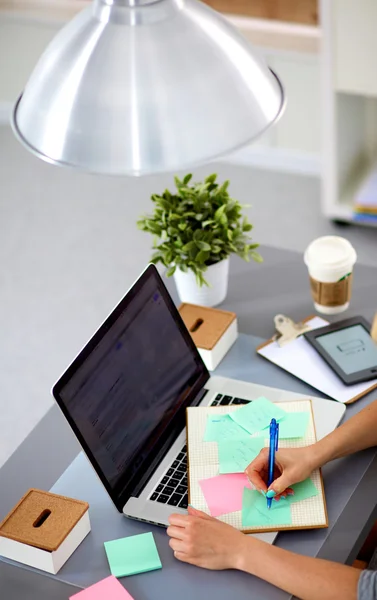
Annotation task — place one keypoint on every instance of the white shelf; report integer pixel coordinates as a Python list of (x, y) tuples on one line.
[(343, 210)]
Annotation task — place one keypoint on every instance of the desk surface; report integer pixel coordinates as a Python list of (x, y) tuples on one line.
[(256, 294)]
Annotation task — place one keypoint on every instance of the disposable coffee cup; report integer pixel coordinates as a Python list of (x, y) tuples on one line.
[(330, 261)]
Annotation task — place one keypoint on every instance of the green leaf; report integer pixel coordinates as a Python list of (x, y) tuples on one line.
[(182, 226), (256, 256), (208, 222), (220, 213), (199, 216), (203, 245), (187, 178), (187, 247), (171, 271), (211, 178), (202, 256)]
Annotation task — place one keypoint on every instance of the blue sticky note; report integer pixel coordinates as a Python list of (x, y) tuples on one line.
[(257, 415), (222, 428), (294, 425), (236, 455), (256, 514), (132, 555)]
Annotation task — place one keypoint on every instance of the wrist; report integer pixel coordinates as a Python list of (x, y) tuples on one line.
[(241, 554), (319, 455)]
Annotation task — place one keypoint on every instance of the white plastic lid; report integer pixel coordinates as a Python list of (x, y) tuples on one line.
[(330, 252)]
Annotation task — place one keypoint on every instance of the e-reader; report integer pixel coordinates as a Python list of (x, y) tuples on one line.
[(348, 349)]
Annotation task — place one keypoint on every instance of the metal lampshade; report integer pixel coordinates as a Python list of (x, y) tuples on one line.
[(131, 87)]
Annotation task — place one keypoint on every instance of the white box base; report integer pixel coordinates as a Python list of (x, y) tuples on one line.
[(51, 562), (213, 357)]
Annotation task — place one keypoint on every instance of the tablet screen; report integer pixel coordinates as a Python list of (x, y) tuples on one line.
[(351, 348)]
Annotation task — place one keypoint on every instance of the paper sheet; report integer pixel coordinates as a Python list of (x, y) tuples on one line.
[(302, 491), (132, 555), (256, 514), (294, 425), (257, 415), (223, 428), (223, 493), (236, 455), (107, 589), (303, 361)]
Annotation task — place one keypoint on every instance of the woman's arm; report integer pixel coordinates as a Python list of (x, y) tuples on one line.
[(307, 578), (203, 541), (358, 433)]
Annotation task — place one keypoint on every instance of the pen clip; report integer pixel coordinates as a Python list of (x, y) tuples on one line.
[(277, 436)]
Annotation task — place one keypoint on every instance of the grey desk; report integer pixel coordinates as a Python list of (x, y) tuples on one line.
[(256, 294)]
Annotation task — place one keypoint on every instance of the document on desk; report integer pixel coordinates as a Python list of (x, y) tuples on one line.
[(301, 360), (216, 480)]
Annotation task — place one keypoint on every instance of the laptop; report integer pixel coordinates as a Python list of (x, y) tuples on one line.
[(125, 397)]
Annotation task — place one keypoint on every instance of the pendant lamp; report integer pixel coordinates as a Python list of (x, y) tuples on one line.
[(134, 87)]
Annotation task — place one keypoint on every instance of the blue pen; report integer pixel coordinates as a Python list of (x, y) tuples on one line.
[(274, 441)]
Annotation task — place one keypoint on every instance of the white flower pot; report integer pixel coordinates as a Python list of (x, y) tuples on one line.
[(217, 276)]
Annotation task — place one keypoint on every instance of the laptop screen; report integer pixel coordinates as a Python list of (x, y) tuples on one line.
[(127, 391)]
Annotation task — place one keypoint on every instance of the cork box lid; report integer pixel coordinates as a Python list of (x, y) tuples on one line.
[(42, 519), (206, 325)]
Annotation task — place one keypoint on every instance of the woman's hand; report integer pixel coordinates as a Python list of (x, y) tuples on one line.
[(205, 542), (291, 466)]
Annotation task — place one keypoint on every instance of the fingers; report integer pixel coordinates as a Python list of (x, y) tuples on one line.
[(177, 545), (281, 485), (178, 520), (257, 470), (176, 532), (198, 513)]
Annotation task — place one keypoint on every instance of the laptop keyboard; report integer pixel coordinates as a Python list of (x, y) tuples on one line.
[(172, 489)]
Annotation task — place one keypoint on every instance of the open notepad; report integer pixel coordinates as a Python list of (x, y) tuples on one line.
[(203, 464)]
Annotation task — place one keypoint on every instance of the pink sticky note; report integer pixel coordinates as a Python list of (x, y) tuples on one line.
[(223, 493), (107, 589)]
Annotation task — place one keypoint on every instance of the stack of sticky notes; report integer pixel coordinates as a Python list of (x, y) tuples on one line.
[(240, 436), (365, 209), (133, 555), (107, 589)]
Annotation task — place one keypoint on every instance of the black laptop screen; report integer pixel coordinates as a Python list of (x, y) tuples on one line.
[(132, 381)]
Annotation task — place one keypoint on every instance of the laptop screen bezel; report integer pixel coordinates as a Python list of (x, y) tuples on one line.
[(124, 490)]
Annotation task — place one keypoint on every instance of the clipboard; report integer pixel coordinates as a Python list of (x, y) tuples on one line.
[(203, 463), (301, 360)]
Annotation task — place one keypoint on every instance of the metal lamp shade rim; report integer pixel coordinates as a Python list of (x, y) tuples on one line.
[(211, 158)]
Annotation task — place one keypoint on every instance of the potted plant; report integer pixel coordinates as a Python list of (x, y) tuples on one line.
[(195, 230)]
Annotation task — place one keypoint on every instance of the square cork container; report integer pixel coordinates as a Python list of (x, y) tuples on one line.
[(214, 331), (43, 530)]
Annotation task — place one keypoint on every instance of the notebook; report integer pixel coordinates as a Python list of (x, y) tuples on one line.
[(203, 463), (301, 360)]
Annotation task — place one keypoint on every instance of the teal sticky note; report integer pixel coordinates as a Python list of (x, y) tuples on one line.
[(132, 555), (294, 425), (302, 491), (221, 428), (256, 514), (236, 455), (257, 415)]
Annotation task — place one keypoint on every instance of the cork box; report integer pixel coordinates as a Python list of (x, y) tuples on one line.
[(43, 530), (214, 331)]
